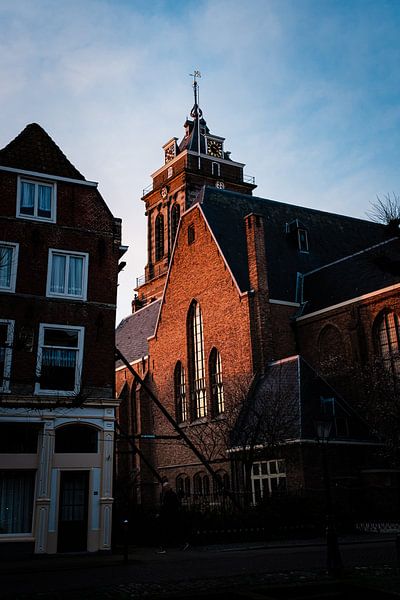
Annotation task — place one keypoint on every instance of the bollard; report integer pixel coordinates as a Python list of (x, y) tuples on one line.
[(125, 529)]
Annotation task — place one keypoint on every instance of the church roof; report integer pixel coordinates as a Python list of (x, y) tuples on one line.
[(284, 404), (330, 236), (133, 331), (353, 276), (34, 150)]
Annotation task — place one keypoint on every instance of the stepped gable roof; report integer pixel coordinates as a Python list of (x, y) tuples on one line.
[(357, 275), (330, 236), (285, 402), (133, 331), (34, 150)]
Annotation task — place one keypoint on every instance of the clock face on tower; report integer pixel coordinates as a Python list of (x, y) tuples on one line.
[(214, 148), (169, 153)]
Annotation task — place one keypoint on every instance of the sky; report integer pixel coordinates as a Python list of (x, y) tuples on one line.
[(306, 93)]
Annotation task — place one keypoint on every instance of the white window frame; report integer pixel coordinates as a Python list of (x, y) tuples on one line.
[(5, 381), (268, 476), (79, 360), (305, 249), (14, 266), (85, 270), (35, 216)]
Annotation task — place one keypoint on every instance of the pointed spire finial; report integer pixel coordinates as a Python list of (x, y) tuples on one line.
[(196, 111)]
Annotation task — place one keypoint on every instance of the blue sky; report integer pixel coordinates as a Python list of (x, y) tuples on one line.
[(306, 93)]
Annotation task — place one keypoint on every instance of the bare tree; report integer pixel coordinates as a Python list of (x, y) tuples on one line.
[(261, 414), (386, 210)]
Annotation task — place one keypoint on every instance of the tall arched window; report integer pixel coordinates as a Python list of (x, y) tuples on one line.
[(180, 393), (183, 486), (159, 237), (387, 336), (196, 361), (175, 215), (216, 385)]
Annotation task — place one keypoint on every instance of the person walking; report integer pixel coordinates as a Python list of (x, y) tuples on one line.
[(169, 518)]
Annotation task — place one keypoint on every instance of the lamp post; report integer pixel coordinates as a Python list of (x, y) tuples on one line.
[(333, 559)]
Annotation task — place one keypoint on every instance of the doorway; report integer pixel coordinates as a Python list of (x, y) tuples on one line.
[(73, 511)]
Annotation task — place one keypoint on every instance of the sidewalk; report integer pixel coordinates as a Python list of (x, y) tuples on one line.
[(148, 555)]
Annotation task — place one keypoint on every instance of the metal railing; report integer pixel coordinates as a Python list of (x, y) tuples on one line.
[(249, 179)]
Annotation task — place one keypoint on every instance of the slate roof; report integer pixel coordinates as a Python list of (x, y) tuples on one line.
[(354, 276), (288, 397), (331, 237), (34, 150), (133, 331)]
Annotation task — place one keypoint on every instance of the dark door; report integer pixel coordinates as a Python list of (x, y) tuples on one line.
[(73, 511)]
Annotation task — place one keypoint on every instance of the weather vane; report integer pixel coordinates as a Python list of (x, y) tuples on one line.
[(196, 110), (195, 74)]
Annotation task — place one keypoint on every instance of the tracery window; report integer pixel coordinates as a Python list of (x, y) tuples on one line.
[(183, 486), (216, 384), (180, 393), (387, 334), (175, 215), (196, 361), (201, 484), (159, 237)]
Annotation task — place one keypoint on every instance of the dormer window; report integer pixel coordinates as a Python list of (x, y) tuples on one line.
[(298, 235), (302, 238)]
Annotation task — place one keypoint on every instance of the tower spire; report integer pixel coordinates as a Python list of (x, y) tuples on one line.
[(196, 111)]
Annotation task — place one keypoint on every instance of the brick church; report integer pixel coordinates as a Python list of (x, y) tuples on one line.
[(255, 322)]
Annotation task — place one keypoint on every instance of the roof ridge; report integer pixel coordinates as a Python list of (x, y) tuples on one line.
[(33, 149), (344, 258)]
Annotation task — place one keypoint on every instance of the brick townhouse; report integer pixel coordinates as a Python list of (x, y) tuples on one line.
[(59, 242), (244, 305)]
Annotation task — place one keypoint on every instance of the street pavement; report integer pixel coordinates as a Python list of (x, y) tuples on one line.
[(209, 571)]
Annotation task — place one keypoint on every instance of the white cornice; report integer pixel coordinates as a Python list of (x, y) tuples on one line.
[(48, 176), (390, 288)]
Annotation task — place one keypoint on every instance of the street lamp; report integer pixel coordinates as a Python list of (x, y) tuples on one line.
[(333, 559)]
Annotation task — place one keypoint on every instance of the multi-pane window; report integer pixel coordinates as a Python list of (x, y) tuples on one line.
[(388, 339), (196, 361), (201, 484), (175, 215), (36, 200), (67, 274), (59, 363), (16, 501), (159, 237), (183, 486), (267, 477), (8, 266), (6, 339), (217, 387), (180, 393)]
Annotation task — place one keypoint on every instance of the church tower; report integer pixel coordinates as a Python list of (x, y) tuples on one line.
[(199, 159)]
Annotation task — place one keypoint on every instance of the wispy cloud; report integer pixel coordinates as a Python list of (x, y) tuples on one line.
[(305, 92)]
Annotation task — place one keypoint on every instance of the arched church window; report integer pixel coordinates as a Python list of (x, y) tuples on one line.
[(216, 384), (159, 237), (196, 361), (175, 215), (180, 393), (387, 338)]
